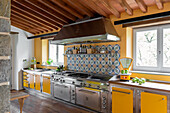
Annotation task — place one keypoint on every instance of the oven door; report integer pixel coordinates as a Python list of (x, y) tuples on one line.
[(62, 91), (89, 98)]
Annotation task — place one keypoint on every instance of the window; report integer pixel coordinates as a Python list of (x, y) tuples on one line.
[(151, 48), (56, 53)]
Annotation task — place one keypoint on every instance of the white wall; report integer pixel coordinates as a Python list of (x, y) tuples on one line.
[(22, 49)]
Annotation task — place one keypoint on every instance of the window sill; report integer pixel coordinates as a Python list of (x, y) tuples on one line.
[(50, 65), (152, 73)]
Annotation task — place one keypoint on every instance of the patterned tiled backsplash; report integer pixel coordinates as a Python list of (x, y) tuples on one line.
[(107, 63)]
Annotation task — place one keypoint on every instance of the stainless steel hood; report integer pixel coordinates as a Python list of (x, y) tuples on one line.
[(93, 30)]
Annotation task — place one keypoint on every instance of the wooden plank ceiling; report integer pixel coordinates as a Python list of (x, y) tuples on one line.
[(40, 16)]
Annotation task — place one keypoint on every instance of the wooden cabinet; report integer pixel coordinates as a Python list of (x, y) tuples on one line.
[(38, 82), (122, 100), (153, 103), (46, 84), (31, 79)]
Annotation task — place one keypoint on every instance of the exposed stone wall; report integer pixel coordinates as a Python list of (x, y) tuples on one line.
[(5, 50)]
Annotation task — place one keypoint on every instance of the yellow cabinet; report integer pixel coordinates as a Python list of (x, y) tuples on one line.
[(122, 100), (153, 103), (31, 76), (46, 84), (37, 82), (25, 83)]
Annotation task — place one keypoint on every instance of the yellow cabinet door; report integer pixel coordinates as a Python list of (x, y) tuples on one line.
[(37, 82), (122, 100), (46, 85), (153, 103), (31, 81), (25, 83)]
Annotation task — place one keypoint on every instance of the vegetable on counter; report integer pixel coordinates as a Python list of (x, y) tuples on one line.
[(49, 62), (139, 80)]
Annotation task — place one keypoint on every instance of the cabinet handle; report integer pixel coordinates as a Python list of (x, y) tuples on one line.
[(46, 78), (61, 85), (87, 91), (163, 99), (121, 92)]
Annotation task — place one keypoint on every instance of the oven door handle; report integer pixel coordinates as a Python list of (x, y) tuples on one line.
[(61, 85), (121, 92), (87, 91)]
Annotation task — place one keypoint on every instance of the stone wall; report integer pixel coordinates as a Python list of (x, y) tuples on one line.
[(5, 50)]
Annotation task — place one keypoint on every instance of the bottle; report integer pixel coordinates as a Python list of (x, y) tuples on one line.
[(80, 49)]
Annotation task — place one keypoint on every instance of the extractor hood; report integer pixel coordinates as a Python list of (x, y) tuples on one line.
[(92, 30)]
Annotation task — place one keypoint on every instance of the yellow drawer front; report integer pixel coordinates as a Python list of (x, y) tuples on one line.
[(46, 85), (122, 100), (24, 73), (25, 84), (25, 77), (153, 103)]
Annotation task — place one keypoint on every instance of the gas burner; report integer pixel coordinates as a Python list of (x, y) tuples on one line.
[(99, 77), (80, 75)]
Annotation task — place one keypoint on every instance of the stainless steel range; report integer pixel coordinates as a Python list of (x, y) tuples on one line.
[(64, 85), (84, 89)]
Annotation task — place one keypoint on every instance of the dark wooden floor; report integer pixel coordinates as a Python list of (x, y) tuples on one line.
[(38, 103)]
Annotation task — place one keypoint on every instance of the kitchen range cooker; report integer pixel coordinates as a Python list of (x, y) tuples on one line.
[(85, 89)]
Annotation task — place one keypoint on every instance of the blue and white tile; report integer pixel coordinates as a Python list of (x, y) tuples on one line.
[(109, 48), (103, 62), (116, 47), (86, 69), (116, 71), (97, 69), (103, 70), (91, 62), (116, 63), (91, 69)]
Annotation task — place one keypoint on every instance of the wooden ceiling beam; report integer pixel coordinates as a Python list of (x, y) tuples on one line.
[(159, 4), (126, 6), (66, 7), (23, 27), (26, 11), (106, 5), (40, 12), (47, 10), (14, 12), (26, 25), (29, 22), (27, 15), (142, 5), (86, 6), (13, 18), (79, 7), (58, 9), (91, 4), (20, 18)]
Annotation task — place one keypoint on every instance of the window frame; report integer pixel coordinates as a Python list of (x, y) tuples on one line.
[(57, 62), (159, 67)]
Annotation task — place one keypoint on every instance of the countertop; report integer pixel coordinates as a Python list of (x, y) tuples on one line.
[(147, 85), (39, 73)]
